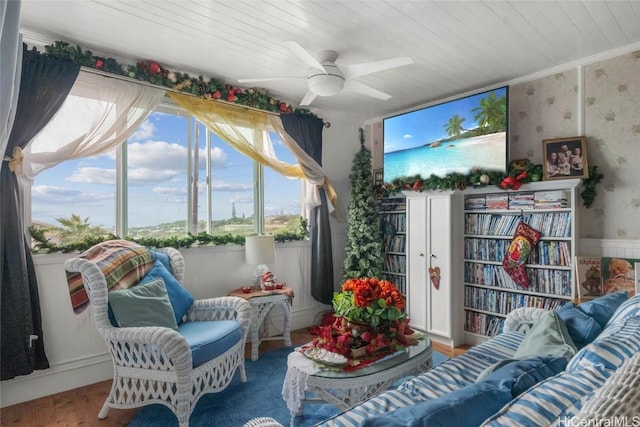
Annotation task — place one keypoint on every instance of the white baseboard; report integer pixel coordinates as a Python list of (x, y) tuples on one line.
[(59, 378)]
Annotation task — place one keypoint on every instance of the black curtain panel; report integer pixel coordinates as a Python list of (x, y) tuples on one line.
[(307, 131), (44, 85)]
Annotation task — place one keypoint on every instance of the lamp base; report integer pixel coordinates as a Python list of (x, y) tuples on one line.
[(257, 275)]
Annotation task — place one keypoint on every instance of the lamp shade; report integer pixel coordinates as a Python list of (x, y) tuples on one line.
[(259, 250)]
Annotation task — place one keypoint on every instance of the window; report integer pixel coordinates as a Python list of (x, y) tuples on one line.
[(162, 191)]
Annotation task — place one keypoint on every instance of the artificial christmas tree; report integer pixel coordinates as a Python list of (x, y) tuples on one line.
[(364, 237)]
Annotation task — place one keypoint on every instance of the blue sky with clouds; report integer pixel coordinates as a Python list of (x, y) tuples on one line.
[(157, 159)]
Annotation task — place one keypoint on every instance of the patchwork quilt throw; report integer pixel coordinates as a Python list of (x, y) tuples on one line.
[(123, 264)]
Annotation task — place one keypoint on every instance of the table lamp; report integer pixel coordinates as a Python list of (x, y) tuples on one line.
[(259, 251)]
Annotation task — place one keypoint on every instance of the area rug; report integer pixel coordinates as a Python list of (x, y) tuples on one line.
[(260, 396)]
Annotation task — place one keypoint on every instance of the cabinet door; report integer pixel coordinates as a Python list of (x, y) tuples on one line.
[(417, 262), (439, 300)]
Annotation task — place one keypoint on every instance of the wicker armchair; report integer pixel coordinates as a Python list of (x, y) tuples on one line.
[(154, 364)]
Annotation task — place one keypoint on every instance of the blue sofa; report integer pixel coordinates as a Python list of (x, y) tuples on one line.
[(603, 333)]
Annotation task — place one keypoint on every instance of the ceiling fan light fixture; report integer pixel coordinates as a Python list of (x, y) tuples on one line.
[(326, 84)]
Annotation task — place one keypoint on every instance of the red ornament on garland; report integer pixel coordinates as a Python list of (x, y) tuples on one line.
[(283, 107), (154, 68), (513, 183), (217, 94), (99, 64)]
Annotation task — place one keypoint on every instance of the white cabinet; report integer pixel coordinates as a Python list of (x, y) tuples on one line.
[(434, 236)]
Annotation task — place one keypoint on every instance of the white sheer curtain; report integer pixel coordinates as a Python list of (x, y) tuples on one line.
[(10, 67), (313, 172), (99, 114)]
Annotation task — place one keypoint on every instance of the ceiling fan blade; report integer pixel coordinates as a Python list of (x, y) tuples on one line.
[(304, 55), (357, 87), (268, 79), (357, 70), (308, 98)]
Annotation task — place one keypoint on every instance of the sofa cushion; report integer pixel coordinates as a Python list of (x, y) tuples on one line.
[(462, 370), (582, 328), (630, 307), (615, 344), (554, 398), (209, 339), (548, 337), (603, 308), (181, 299), (143, 305), (448, 376), (478, 401)]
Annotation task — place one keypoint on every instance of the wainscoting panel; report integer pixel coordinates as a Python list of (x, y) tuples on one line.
[(610, 248)]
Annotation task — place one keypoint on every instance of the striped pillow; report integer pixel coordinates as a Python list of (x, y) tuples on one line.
[(617, 343), (557, 397), (630, 307)]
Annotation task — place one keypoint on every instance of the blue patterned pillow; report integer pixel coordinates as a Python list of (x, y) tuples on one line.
[(615, 344)]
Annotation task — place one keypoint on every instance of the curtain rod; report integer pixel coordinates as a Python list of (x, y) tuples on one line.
[(142, 82)]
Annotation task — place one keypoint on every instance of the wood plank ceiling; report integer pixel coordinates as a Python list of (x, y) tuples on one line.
[(456, 46)]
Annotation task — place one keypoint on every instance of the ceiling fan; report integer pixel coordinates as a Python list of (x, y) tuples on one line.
[(326, 78)]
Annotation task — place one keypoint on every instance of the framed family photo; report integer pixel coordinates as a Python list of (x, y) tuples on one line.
[(565, 158)]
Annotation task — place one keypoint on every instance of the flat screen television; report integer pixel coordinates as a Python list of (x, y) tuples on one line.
[(454, 136)]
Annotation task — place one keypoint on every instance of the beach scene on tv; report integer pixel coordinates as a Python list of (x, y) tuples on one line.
[(454, 136)]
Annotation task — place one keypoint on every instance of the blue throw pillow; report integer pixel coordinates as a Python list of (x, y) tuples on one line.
[(582, 328), (466, 407), (602, 308), (164, 259), (469, 406), (181, 299), (520, 375)]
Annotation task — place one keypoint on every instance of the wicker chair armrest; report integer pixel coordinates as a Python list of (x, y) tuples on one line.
[(222, 308), (522, 319), (154, 347)]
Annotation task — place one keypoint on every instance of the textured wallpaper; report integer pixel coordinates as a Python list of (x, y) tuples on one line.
[(612, 127), (548, 108)]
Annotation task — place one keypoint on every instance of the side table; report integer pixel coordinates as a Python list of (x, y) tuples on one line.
[(261, 304)]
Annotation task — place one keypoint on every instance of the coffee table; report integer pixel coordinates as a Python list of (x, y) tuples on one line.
[(346, 389)]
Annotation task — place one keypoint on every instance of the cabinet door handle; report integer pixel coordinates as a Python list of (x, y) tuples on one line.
[(422, 255), (433, 256)]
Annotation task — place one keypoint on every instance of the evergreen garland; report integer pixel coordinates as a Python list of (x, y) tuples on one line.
[(154, 73), (42, 244), (363, 256)]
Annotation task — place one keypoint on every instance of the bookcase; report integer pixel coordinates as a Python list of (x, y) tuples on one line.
[(393, 220), (490, 220)]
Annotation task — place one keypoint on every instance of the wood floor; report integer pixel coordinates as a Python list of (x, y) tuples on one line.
[(80, 407)]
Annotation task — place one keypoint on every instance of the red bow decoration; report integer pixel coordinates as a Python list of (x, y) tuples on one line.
[(513, 183)]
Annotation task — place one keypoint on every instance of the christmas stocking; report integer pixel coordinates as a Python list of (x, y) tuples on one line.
[(525, 238)]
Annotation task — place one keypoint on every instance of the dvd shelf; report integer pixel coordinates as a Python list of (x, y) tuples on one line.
[(491, 218), (393, 219)]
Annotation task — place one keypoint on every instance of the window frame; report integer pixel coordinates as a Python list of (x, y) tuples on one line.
[(121, 210)]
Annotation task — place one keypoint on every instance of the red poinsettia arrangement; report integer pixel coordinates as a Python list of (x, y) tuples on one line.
[(369, 313)]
